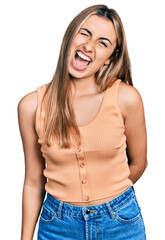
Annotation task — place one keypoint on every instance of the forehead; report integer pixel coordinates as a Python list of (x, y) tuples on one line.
[(100, 27)]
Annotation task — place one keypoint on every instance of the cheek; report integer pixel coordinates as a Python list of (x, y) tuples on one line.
[(75, 43), (78, 40), (102, 56)]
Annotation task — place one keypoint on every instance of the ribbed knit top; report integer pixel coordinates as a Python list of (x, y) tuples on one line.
[(95, 172)]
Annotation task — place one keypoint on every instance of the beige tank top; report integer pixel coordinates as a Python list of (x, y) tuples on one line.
[(95, 172)]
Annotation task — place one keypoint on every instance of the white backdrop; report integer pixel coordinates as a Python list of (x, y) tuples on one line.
[(31, 33)]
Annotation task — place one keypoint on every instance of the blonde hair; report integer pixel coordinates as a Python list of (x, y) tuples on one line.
[(60, 120)]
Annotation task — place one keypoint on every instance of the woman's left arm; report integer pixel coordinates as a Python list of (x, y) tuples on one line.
[(131, 105)]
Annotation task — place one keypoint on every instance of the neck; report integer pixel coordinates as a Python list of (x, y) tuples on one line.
[(84, 86)]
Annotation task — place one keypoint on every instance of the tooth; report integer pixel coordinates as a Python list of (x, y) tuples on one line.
[(83, 56)]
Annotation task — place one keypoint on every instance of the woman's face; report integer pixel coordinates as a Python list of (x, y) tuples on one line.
[(91, 47)]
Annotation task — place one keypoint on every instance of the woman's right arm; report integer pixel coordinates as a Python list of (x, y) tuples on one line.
[(34, 181)]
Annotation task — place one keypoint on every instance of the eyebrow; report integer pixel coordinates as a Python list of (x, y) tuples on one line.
[(103, 38)]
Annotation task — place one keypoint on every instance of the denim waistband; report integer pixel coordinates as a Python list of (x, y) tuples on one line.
[(90, 211)]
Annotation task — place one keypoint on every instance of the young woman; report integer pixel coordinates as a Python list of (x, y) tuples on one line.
[(84, 138)]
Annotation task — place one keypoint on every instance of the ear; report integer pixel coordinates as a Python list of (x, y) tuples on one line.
[(107, 62), (117, 52), (111, 58)]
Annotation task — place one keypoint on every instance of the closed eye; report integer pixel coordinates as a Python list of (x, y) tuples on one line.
[(84, 34), (104, 44)]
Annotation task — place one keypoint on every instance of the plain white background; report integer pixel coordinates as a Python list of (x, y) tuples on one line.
[(31, 35)]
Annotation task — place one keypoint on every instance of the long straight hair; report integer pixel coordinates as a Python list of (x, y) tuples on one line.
[(60, 120)]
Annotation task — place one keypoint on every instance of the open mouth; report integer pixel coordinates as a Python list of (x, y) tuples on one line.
[(80, 61)]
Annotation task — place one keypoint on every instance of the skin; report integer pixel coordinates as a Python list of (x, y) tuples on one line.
[(92, 44), (132, 109), (33, 187), (129, 99), (86, 94)]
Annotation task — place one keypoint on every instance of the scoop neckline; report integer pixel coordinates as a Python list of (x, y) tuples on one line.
[(100, 108), (98, 112)]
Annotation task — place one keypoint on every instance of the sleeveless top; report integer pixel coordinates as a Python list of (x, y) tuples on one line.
[(95, 172)]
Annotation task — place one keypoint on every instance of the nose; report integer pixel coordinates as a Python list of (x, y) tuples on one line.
[(89, 46)]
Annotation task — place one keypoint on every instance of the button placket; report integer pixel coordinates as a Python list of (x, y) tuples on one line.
[(83, 173)]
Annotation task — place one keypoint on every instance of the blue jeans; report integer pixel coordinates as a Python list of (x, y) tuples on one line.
[(118, 219)]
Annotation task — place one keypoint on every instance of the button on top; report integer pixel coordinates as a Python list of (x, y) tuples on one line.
[(87, 198), (82, 165), (78, 149), (84, 181)]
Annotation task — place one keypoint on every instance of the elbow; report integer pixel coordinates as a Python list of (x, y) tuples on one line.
[(142, 169), (146, 165)]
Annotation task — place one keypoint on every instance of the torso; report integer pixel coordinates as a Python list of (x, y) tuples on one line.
[(86, 107)]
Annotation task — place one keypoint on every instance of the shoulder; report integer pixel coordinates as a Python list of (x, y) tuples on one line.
[(28, 102), (129, 98), (27, 106)]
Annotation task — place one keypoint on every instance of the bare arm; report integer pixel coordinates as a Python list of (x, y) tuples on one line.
[(132, 108), (33, 188)]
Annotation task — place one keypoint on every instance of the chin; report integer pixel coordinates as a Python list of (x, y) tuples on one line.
[(75, 74)]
